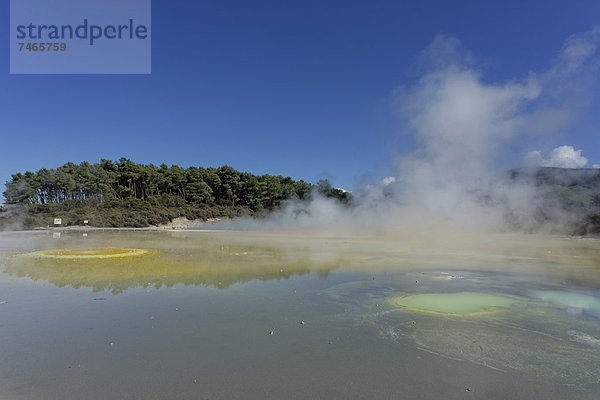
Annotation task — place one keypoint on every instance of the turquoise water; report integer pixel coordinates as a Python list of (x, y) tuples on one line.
[(458, 303), (572, 301)]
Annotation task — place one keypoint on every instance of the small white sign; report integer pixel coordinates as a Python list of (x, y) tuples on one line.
[(57, 221), (85, 221)]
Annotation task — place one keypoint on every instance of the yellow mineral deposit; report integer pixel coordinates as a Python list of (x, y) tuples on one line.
[(84, 254)]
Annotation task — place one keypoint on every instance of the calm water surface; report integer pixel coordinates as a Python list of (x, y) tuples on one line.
[(239, 315)]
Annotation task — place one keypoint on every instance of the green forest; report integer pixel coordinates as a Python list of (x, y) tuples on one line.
[(125, 193)]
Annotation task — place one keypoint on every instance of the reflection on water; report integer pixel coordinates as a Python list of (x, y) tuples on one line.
[(506, 315), (211, 263), (221, 259)]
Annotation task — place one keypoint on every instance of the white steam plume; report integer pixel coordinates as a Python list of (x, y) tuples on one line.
[(463, 126)]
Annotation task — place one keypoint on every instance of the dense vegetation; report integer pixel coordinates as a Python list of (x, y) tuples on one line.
[(125, 193)]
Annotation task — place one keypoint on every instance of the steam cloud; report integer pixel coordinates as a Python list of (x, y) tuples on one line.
[(463, 127)]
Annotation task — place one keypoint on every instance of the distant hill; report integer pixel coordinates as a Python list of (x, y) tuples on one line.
[(577, 191), (585, 177)]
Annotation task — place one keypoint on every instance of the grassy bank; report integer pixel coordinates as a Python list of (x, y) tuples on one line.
[(114, 213)]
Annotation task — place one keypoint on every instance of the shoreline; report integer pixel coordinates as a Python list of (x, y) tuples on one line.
[(176, 224)]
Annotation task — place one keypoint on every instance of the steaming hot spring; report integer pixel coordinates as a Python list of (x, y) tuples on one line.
[(489, 312)]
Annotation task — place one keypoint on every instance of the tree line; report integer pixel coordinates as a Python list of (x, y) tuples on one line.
[(124, 179)]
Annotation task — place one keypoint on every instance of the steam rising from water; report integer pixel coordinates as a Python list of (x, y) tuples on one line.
[(463, 127)]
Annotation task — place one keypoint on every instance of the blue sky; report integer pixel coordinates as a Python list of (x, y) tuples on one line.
[(281, 87)]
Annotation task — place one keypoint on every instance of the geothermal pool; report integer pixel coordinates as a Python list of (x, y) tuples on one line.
[(239, 315)]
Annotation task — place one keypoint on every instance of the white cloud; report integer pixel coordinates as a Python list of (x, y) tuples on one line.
[(388, 181), (596, 166), (561, 157)]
